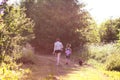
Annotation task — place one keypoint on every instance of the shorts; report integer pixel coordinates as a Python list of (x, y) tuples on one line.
[(58, 51), (68, 56)]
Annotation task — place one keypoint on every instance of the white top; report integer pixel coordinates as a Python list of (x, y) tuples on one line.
[(58, 45)]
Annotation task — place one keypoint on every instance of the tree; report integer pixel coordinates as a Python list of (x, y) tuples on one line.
[(15, 29), (109, 30), (57, 18), (92, 32)]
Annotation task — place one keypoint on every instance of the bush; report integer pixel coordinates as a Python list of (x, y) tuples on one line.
[(107, 54), (15, 30), (113, 62), (28, 54), (80, 54), (99, 52), (10, 70)]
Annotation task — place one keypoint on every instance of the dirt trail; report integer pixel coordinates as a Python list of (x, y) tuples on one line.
[(45, 65)]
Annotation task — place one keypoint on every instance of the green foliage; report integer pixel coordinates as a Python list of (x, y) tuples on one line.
[(92, 32), (114, 75), (28, 55), (108, 54), (99, 52), (80, 53), (15, 30), (118, 42), (10, 70), (111, 75), (57, 18), (109, 30), (96, 64), (113, 62)]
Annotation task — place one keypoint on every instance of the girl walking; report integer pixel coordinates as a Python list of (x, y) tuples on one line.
[(58, 48), (68, 52)]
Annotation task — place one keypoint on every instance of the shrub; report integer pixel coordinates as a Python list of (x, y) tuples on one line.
[(99, 52), (107, 54), (10, 70), (113, 62), (28, 54), (80, 53), (15, 29)]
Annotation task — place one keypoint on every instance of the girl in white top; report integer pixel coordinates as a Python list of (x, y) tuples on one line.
[(58, 47)]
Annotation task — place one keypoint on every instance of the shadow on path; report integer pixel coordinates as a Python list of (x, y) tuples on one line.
[(45, 65)]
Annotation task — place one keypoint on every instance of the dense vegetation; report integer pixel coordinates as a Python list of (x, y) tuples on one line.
[(15, 30), (40, 22), (64, 19), (109, 30)]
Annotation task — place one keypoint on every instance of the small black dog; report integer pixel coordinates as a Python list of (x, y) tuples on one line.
[(80, 62)]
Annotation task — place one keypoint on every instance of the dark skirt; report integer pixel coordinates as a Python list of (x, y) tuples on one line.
[(58, 51)]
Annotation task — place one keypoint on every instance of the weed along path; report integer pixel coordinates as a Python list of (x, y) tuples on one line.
[(44, 68)]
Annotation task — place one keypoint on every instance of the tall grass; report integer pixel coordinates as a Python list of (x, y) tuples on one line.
[(100, 51), (108, 54), (105, 57)]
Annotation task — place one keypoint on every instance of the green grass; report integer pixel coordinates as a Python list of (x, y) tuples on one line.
[(112, 74), (95, 71)]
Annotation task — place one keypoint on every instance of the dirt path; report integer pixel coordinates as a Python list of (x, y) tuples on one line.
[(45, 66)]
